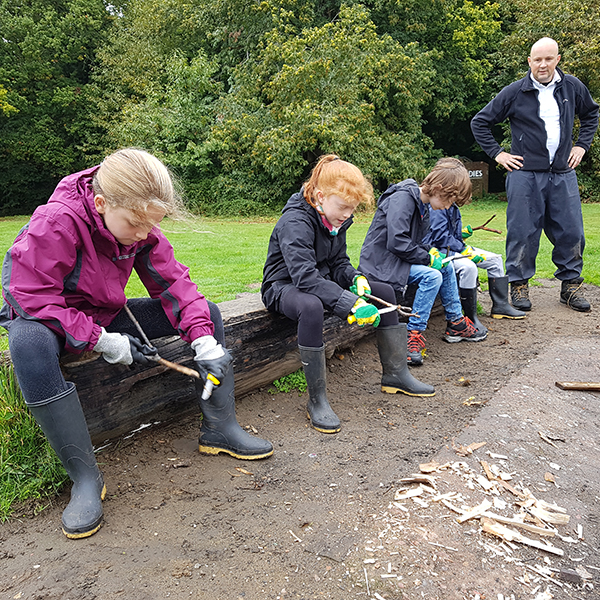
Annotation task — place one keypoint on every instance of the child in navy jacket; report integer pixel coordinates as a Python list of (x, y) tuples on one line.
[(446, 232)]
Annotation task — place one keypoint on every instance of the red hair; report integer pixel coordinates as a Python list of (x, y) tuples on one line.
[(334, 176)]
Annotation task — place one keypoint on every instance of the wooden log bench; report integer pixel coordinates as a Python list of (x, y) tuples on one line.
[(118, 399)]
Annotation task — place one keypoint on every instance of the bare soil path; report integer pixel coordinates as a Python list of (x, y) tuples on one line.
[(323, 517)]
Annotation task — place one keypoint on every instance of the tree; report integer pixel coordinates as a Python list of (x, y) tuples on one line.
[(46, 51), (339, 87), (459, 36)]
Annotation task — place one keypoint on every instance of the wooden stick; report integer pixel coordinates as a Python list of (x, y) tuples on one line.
[(177, 367), (490, 229), (578, 385), (403, 310), (385, 303), (482, 226), (487, 228), (157, 358)]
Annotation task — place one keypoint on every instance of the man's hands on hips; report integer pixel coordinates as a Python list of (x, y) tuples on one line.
[(511, 162), (576, 156)]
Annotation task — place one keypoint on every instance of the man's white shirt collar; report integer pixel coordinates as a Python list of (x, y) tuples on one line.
[(540, 86)]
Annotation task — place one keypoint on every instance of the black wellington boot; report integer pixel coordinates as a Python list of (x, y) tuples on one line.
[(321, 415), (501, 307), (391, 344), (63, 423), (468, 300), (220, 431)]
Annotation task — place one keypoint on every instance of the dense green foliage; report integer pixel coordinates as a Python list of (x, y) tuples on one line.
[(47, 49), (240, 97)]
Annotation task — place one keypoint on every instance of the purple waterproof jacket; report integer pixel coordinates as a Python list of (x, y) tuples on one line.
[(66, 270)]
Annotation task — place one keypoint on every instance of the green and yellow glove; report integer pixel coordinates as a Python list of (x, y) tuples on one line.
[(476, 258), (360, 286), (466, 232), (435, 259), (364, 314)]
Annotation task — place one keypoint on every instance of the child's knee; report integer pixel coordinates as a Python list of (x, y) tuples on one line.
[(29, 340)]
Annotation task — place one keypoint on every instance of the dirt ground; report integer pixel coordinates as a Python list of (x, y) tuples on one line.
[(327, 516)]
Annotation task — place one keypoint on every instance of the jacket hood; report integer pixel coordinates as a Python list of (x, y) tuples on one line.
[(408, 185), (76, 193)]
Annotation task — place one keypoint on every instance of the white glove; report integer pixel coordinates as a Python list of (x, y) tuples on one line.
[(207, 348), (114, 347), (211, 357)]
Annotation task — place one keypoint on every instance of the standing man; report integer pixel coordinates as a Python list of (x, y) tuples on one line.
[(541, 184)]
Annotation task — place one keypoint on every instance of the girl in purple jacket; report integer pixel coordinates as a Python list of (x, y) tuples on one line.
[(63, 284)]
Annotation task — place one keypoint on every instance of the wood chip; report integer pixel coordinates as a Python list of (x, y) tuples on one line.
[(429, 467), (510, 535), (518, 523), (549, 477), (547, 440), (549, 517), (511, 489), (404, 493), (419, 478), (485, 483), (241, 470), (488, 472), (467, 450), (474, 512)]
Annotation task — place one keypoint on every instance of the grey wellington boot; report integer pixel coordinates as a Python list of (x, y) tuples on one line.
[(501, 307), (468, 300), (391, 344), (63, 423), (321, 415), (220, 431)]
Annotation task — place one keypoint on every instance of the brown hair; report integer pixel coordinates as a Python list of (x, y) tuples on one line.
[(332, 175), (449, 179), (138, 181)]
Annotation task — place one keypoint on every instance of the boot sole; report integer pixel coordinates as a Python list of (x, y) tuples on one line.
[(414, 363), (78, 536), (454, 340), (573, 308), (213, 451), (323, 429), (393, 390), (497, 316), (83, 534)]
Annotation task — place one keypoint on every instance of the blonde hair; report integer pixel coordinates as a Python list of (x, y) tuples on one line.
[(138, 181), (334, 176), (449, 179)]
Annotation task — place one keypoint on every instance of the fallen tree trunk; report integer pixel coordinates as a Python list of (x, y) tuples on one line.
[(117, 399)]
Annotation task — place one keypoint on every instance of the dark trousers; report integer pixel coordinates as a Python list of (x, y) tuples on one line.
[(35, 349), (308, 311), (549, 202)]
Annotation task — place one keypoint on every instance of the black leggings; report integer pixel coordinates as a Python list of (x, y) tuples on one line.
[(35, 349), (308, 311)]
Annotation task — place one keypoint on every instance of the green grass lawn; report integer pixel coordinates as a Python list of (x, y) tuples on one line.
[(225, 258)]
